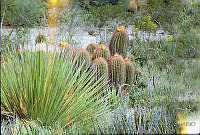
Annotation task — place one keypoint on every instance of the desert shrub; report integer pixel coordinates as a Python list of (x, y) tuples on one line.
[(100, 16), (16, 37), (189, 18), (187, 45), (22, 12)]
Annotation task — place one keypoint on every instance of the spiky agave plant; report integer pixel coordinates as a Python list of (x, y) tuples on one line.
[(119, 42), (49, 89)]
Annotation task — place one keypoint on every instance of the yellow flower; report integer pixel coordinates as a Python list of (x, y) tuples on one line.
[(136, 30), (63, 44), (101, 46), (116, 55), (147, 18), (169, 39), (194, 3), (121, 28), (143, 23)]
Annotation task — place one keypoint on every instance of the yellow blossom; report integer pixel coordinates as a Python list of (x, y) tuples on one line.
[(121, 28), (147, 18), (136, 30), (169, 39), (63, 44), (194, 3), (101, 46)]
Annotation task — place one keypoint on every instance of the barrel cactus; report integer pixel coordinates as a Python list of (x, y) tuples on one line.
[(66, 48), (102, 51), (119, 42), (82, 57), (91, 48), (130, 72), (117, 70), (100, 66), (40, 39)]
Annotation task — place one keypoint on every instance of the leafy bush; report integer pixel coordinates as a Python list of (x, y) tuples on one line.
[(22, 12)]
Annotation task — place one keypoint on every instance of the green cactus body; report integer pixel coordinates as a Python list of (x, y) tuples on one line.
[(117, 70), (91, 48), (40, 39), (67, 49), (130, 72), (100, 65), (119, 42), (102, 51), (83, 58)]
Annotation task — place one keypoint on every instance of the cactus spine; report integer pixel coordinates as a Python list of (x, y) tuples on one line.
[(40, 39), (117, 70), (91, 48), (119, 42), (82, 57), (102, 51), (101, 67)]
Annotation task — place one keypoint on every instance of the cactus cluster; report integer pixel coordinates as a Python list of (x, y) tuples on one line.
[(109, 62), (41, 38), (119, 42)]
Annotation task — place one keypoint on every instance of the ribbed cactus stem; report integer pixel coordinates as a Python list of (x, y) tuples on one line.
[(66, 48), (119, 42), (41, 38), (91, 48), (117, 70), (82, 57), (100, 66), (130, 72), (102, 51)]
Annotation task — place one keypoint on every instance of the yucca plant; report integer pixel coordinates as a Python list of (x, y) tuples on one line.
[(44, 87)]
